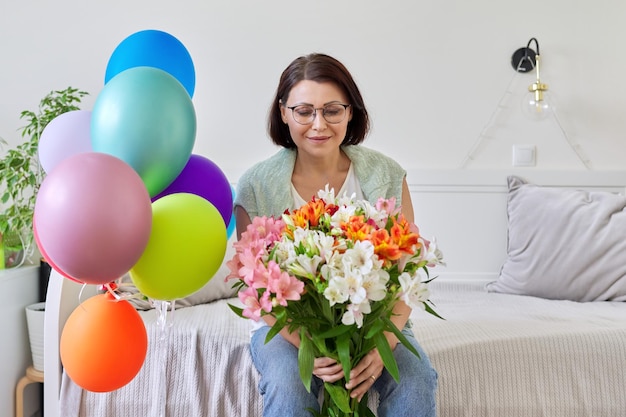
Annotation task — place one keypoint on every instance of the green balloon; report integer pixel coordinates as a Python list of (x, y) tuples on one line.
[(145, 117), (186, 247)]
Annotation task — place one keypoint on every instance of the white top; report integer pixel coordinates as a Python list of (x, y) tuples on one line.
[(350, 186)]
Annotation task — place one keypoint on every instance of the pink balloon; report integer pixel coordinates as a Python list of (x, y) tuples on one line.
[(45, 255), (65, 135), (94, 217)]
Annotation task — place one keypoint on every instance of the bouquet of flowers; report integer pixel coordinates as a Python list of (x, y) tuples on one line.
[(333, 270)]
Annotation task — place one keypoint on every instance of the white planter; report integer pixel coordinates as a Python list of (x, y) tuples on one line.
[(35, 314)]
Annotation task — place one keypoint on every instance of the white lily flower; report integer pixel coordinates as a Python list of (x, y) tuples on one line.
[(354, 314), (361, 257), (414, 292), (307, 264), (375, 284), (342, 215), (337, 291)]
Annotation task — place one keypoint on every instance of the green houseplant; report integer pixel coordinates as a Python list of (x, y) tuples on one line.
[(21, 175)]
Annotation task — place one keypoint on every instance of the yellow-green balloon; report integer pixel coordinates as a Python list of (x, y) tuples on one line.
[(185, 249)]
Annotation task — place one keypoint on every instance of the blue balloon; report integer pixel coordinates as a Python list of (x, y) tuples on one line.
[(145, 117), (153, 48)]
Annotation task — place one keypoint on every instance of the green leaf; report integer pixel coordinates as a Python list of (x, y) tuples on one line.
[(363, 410), (238, 311), (339, 395), (281, 322), (335, 331), (430, 310), (306, 356), (320, 344), (393, 328), (343, 350), (376, 327), (327, 311), (313, 412), (386, 355)]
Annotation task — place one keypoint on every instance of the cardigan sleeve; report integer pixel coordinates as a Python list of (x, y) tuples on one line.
[(264, 189)]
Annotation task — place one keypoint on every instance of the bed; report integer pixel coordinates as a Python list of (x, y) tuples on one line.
[(532, 327)]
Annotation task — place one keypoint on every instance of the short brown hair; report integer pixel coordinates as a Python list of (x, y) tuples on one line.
[(320, 68)]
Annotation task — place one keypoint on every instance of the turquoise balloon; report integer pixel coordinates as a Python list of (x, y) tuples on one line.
[(232, 224), (145, 117), (153, 48)]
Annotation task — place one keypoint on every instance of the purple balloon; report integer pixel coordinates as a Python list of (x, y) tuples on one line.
[(66, 135), (204, 178)]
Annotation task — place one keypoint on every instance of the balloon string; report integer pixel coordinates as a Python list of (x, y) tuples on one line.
[(111, 290), (159, 375), (163, 322), (80, 296)]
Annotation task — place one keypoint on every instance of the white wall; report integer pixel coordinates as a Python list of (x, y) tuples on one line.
[(431, 71)]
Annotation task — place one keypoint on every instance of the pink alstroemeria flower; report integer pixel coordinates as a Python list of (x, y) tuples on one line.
[(262, 232), (250, 299), (254, 306), (284, 286), (249, 264), (388, 205)]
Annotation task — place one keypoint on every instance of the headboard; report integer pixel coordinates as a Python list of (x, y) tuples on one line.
[(464, 209)]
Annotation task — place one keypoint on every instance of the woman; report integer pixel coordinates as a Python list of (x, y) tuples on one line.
[(319, 119)]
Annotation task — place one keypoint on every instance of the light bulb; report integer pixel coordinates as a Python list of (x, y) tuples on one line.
[(535, 107)]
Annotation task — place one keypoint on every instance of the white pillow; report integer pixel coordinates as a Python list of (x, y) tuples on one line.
[(564, 243)]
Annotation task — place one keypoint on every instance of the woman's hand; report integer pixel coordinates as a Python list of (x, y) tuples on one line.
[(363, 376), (327, 369)]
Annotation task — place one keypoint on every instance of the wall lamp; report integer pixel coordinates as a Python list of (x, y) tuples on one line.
[(536, 103)]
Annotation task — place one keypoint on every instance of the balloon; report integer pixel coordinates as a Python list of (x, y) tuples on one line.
[(186, 247), (104, 344), (93, 217), (232, 225), (145, 117), (45, 255), (65, 135), (204, 178), (153, 48)]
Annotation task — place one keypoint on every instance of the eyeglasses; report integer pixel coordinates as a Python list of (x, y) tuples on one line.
[(332, 113)]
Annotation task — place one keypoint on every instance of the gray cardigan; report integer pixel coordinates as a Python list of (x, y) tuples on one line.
[(265, 188)]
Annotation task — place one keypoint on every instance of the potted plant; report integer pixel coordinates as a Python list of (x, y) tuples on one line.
[(21, 175)]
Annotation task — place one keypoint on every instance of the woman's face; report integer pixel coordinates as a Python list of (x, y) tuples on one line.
[(320, 136)]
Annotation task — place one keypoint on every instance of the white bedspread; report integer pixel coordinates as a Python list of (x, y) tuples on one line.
[(497, 356)]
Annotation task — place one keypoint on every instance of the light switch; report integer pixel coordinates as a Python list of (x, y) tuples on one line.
[(523, 155)]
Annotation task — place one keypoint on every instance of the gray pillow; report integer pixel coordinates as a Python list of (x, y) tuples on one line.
[(215, 289), (564, 243)]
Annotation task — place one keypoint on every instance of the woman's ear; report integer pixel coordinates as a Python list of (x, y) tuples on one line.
[(283, 111)]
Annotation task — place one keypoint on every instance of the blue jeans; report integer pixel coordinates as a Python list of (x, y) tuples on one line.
[(284, 394)]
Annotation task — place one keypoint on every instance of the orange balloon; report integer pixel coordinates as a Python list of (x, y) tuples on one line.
[(103, 344)]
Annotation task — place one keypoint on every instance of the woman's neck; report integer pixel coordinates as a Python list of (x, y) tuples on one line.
[(311, 174)]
